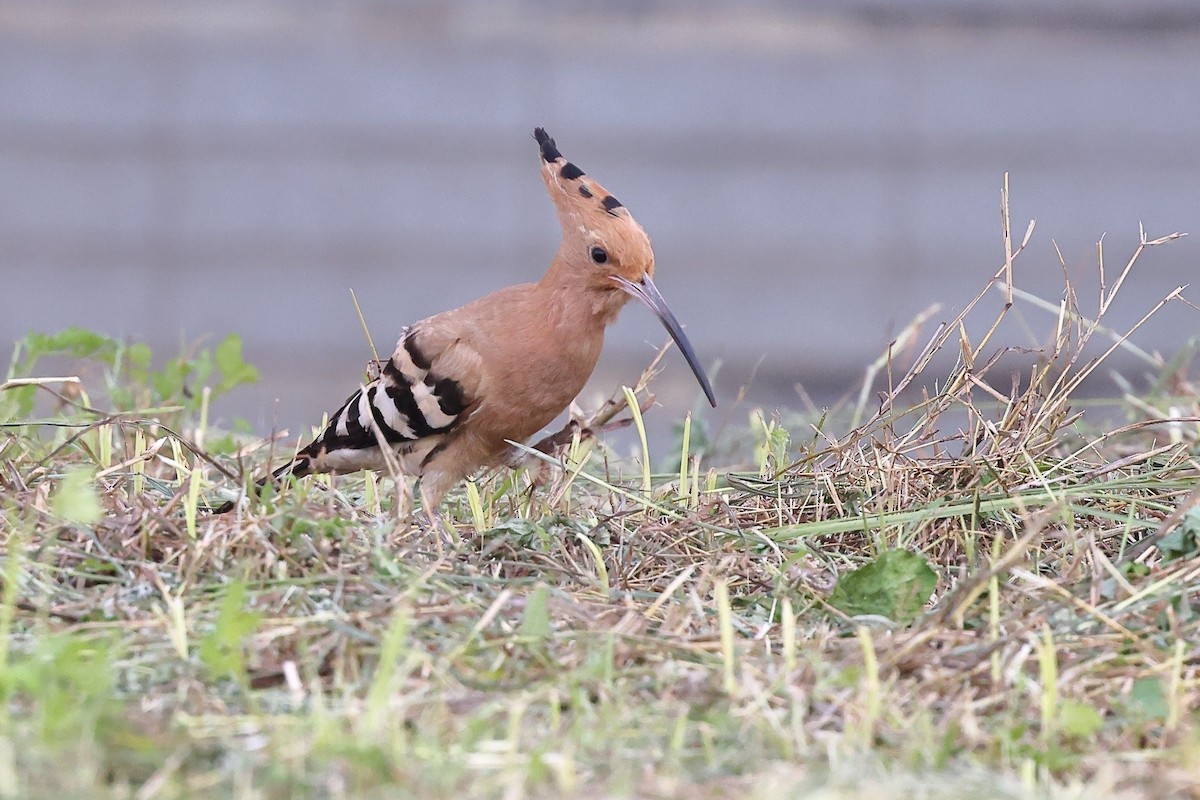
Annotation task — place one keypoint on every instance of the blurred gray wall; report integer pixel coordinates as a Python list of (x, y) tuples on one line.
[(813, 174)]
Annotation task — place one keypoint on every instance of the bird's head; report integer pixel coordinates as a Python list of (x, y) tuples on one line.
[(604, 248)]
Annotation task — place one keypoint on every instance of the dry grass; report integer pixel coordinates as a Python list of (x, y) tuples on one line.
[(588, 639)]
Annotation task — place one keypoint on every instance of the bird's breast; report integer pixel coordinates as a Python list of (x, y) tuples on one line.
[(535, 380)]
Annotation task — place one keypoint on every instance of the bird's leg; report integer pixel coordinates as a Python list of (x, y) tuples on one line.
[(552, 445), (404, 508), (434, 526), (557, 441), (430, 519)]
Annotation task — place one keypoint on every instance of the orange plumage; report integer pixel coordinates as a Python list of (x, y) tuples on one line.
[(462, 382)]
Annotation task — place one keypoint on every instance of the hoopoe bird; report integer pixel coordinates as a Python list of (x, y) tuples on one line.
[(462, 384)]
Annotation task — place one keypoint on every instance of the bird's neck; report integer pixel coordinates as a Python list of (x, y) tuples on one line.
[(584, 297)]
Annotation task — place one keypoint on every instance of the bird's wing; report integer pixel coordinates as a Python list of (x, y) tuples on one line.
[(429, 386)]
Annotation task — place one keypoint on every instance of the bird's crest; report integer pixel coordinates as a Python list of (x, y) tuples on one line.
[(570, 186), (585, 206)]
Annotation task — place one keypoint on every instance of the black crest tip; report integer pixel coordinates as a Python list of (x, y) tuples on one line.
[(549, 150)]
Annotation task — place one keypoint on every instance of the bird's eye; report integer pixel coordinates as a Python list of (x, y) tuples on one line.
[(599, 255)]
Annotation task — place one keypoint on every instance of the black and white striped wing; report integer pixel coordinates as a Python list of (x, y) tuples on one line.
[(426, 389)]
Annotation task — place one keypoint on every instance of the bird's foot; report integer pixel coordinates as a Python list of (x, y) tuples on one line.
[(433, 525), (557, 442)]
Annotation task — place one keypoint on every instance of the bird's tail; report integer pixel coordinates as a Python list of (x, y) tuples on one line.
[(300, 466)]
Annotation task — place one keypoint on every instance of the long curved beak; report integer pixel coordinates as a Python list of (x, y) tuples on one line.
[(645, 291)]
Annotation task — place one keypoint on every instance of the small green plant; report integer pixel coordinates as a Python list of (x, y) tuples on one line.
[(65, 684), (76, 500), (895, 585), (222, 649), (771, 450), (129, 378), (1183, 542)]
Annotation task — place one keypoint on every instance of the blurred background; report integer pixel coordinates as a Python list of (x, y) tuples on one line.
[(813, 174)]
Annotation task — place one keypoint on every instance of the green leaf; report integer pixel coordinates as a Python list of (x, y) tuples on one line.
[(536, 621), (1079, 720), (234, 370), (73, 342), (894, 585), (76, 498), (76, 342), (1183, 542), (137, 358), (1134, 569), (17, 403), (66, 682), (1148, 700), (168, 384), (221, 648)]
